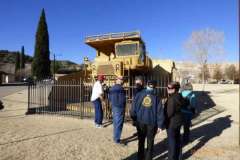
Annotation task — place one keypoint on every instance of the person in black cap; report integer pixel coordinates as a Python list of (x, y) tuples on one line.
[(139, 85), (174, 120), (148, 113)]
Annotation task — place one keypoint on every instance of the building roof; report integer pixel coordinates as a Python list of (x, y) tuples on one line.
[(168, 65)]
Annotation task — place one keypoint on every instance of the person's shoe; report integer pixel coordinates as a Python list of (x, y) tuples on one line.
[(99, 126), (120, 144)]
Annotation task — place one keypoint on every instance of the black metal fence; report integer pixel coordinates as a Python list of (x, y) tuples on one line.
[(72, 98)]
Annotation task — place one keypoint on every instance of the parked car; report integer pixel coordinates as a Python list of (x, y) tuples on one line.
[(223, 81), (27, 79)]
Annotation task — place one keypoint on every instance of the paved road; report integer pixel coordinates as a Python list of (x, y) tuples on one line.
[(7, 90)]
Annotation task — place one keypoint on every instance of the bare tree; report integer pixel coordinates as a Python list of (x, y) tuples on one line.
[(203, 44), (205, 71), (218, 74)]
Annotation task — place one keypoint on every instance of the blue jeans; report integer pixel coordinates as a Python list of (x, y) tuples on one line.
[(98, 111), (118, 119)]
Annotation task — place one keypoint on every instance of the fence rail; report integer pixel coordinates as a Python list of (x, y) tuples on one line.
[(72, 98)]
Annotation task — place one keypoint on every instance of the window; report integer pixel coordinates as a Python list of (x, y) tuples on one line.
[(142, 53), (126, 49)]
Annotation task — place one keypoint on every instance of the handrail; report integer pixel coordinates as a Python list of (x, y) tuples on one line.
[(135, 34)]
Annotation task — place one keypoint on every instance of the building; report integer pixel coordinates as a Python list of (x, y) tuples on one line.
[(167, 66), (191, 69), (7, 72)]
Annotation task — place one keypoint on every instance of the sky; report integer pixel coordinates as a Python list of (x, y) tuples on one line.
[(164, 24)]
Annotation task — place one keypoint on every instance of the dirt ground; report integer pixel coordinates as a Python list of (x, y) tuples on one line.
[(43, 137)]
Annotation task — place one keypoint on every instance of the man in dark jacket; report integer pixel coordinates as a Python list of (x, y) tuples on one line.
[(117, 98), (174, 120), (139, 86), (147, 111)]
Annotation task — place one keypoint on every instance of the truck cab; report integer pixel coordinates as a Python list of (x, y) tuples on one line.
[(119, 54)]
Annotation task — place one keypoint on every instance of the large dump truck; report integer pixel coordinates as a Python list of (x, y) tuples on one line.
[(119, 54)]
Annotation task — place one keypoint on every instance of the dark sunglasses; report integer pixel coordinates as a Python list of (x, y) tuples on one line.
[(170, 87)]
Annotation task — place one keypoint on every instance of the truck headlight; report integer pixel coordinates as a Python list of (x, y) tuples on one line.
[(117, 66)]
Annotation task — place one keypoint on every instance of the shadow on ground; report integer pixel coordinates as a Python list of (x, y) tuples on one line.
[(207, 108), (203, 134), (1, 105), (203, 100)]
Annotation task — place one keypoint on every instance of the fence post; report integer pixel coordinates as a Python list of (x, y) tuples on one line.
[(81, 104), (28, 97), (28, 108)]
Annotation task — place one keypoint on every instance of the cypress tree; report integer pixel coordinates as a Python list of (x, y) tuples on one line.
[(41, 61), (22, 58), (17, 62)]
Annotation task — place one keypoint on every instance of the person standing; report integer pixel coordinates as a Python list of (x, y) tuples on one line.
[(117, 99), (188, 111), (148, 113), (139, 85), (97, 96), (174, 120)]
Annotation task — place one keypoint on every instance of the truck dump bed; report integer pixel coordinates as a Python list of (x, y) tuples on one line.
[(105, 42), (113, 36)]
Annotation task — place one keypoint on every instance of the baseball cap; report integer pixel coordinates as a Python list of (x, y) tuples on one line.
[(139, 78), (152, 82), (101, 77)]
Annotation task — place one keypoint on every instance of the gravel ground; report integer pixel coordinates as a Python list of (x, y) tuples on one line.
[(51, 137)]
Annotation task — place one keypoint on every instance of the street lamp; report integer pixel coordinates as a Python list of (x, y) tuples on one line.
[(54, 63)]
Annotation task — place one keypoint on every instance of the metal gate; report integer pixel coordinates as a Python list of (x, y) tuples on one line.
[(72, 98)]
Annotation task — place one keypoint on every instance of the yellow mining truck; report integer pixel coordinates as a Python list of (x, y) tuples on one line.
[(119, 54)]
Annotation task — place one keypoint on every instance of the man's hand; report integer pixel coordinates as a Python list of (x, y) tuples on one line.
[(101, 97)]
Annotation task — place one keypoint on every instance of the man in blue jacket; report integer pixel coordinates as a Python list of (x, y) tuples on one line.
[(117, 98), (148, 113)]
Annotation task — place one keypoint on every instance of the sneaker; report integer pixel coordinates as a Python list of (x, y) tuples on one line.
[(99, 126)]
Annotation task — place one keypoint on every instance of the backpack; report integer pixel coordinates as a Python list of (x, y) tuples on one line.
[(186, 102), (187, 109)]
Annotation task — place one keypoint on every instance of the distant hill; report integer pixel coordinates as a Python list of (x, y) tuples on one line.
[(8, 60), (66, 63), (10, 57), (65, 66)]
